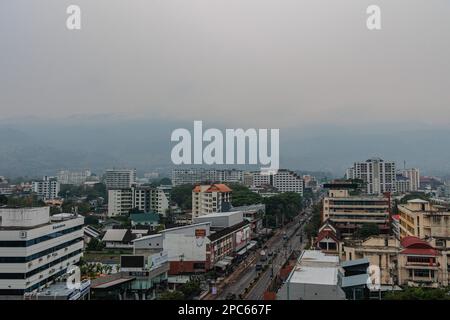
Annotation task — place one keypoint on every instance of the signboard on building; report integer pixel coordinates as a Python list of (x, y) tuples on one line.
[(200, 233), (132, 262), (242, 236)]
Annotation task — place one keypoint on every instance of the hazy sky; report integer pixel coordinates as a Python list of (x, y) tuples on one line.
[(273, 63)]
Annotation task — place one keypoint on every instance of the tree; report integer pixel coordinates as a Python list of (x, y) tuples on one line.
[(27, 201), (242, 196), (414, 195), (312, 228), (91, 220), (171, 295), (418, 293), (367, 230), (182, 196), (284, 206), (3, 199), (191, 289), (95, 245)]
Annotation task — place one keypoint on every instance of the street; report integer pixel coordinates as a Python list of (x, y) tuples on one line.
[(242, 277)]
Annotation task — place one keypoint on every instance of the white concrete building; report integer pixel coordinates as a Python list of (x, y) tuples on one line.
[(120, 201), (402, 184), (120, 178), (284, 181), (47, 188), (36, 248), (194, 176), (413, 174), (144, 198), (73, 177), (220, 220), (210, 198), (314, 277), (378, 175)]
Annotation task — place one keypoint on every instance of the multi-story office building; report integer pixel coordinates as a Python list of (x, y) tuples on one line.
[(378, 175), (413, 175), (120, 178), (195, 176), (73, 177), (36, 248), (424, 220), (348, 213), (47, 188), (210, 198), (142, 198), (284, 181)]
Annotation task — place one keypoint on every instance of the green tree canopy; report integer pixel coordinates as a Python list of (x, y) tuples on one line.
[(418, 293), (182, 196), (171, 295), (367, 230), (242, 196), (284, 206)]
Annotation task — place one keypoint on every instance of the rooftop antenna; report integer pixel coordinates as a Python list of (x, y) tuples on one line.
[(404, 164)]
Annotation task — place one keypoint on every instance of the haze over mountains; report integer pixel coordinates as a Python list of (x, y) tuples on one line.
[(35, 146)]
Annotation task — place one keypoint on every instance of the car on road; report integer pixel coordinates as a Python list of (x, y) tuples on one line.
[(270, 254), (230, 296), (258, 267)]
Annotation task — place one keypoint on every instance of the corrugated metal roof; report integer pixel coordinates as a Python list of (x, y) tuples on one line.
[(356, 280), (350, 263)]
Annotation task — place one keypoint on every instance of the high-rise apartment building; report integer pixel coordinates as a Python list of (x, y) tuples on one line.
[(36, 248), (142, 198), (120, 201), (210, 198), (413, 174), (378, 175), (47, 188), (120, 178)]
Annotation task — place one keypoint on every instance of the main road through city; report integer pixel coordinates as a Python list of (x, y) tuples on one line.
[(246, 273)]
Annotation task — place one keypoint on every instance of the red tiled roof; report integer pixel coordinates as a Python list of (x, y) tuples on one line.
[(414, 245), (218, 187)]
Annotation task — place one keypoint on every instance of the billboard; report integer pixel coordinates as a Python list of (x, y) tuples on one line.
[(131, 261), (242, 236)]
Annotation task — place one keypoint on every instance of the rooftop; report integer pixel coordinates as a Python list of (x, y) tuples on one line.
[(417, 201), (219, 214), (315, 275), (315, 267)]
